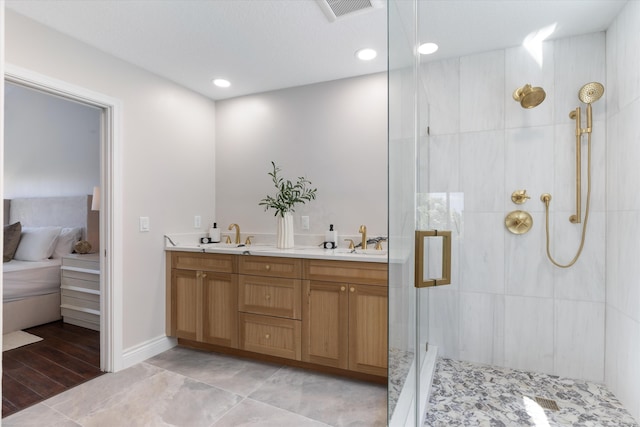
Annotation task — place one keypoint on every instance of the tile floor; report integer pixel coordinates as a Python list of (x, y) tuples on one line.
[(467, 394), (184, 387)]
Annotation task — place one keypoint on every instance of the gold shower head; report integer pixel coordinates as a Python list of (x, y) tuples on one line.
[(528, 96), (591, 92)]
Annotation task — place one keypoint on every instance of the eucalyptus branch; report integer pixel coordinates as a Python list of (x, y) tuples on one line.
[(289, 194)]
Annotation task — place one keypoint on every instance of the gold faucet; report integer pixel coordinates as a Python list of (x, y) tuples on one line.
[(363, 230), (237, 232)]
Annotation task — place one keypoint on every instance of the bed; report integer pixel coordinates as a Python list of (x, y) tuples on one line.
[(31, 293)]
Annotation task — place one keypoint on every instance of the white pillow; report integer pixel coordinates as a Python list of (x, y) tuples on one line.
[(37, 243), (67, 238)]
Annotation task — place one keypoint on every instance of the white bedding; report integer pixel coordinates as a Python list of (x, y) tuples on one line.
[(30, 278)]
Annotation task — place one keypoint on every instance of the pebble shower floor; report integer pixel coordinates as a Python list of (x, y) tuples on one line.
[(468, 394)]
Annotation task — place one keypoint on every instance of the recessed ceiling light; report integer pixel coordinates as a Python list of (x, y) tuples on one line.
[(366, 54), (221, 82), (427, 48)]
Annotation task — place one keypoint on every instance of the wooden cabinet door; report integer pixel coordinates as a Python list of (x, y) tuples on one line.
[(325, 324), (186, 312), (220, 309), (368, 313)]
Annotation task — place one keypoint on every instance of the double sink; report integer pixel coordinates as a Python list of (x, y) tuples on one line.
[(371, 255)]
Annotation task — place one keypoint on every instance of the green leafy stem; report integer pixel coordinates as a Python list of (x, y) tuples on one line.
[(289, 194)]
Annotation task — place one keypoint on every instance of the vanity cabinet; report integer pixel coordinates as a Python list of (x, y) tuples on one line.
[(269, 304), (325, 314), (203, 298), (345, 316)]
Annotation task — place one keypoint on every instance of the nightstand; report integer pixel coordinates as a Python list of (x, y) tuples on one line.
[(80, 290)]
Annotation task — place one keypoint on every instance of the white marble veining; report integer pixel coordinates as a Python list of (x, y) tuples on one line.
[(443, 93), (579, 338), (528, 337), (185, 387), (482, 326), (482, 91), (482, 253), (482, 170)]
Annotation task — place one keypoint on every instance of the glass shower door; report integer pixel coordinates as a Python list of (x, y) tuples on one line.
[(407, 308)]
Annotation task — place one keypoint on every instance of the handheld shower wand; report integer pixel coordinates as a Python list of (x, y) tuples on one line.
[(589, 93)]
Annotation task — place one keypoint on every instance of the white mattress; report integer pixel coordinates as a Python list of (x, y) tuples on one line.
[(30, 278)]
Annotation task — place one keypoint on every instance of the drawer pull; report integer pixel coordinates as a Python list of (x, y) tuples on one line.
[(267, 297), (267, 267), (267, 336), (204, 275), (352, 289), (343, 288)]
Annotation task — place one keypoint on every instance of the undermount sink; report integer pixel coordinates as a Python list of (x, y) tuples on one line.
[(362, 251)]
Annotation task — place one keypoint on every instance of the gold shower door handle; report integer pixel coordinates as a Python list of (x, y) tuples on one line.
[(420, 281)]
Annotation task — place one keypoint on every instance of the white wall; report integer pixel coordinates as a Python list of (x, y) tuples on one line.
[(622, 367), (52, 145), (168, 150), (334, 134), (508, 305)]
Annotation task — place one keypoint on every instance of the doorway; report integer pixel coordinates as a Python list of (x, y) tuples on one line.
[(110, 228)]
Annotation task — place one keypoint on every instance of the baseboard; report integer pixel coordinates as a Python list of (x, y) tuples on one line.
[(147, 349)]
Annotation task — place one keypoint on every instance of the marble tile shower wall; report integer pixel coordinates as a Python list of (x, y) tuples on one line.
[(622, 371), (508, 305)]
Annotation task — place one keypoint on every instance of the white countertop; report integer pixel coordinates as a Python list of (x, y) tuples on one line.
[(312, 252)]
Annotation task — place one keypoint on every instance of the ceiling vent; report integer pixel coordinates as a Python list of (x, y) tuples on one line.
[(335, 9)]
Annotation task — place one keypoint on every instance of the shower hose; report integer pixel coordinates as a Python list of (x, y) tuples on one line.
[(586, 214)]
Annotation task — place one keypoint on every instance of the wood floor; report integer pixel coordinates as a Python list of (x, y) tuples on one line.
[(67, 356)]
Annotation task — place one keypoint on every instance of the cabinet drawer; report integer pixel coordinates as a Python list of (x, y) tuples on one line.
[(80, 293), (272, 296), (270, 266), (91, 285), (198, 261), (366, 273), (270, 335), (70, 273), (70, 301), (87, 262)]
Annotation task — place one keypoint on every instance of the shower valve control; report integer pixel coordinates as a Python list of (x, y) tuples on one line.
[(519, 197)]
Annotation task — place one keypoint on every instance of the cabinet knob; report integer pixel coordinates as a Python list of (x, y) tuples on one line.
[(267, 267), (204, 275), (343, 288), (267, 336), (198, 274), (267, 297), (352, 289)]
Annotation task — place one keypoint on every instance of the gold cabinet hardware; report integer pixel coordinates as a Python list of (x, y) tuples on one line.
[(519, 197), (343, 288), (267, 336), (352, 289), (420, 281), (198, 274), (267, 267), (267, 297), (351, 243), (518, 222), (204, 275), (248, 240)]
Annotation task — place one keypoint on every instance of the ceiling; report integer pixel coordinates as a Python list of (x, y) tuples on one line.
[(262, 45)]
